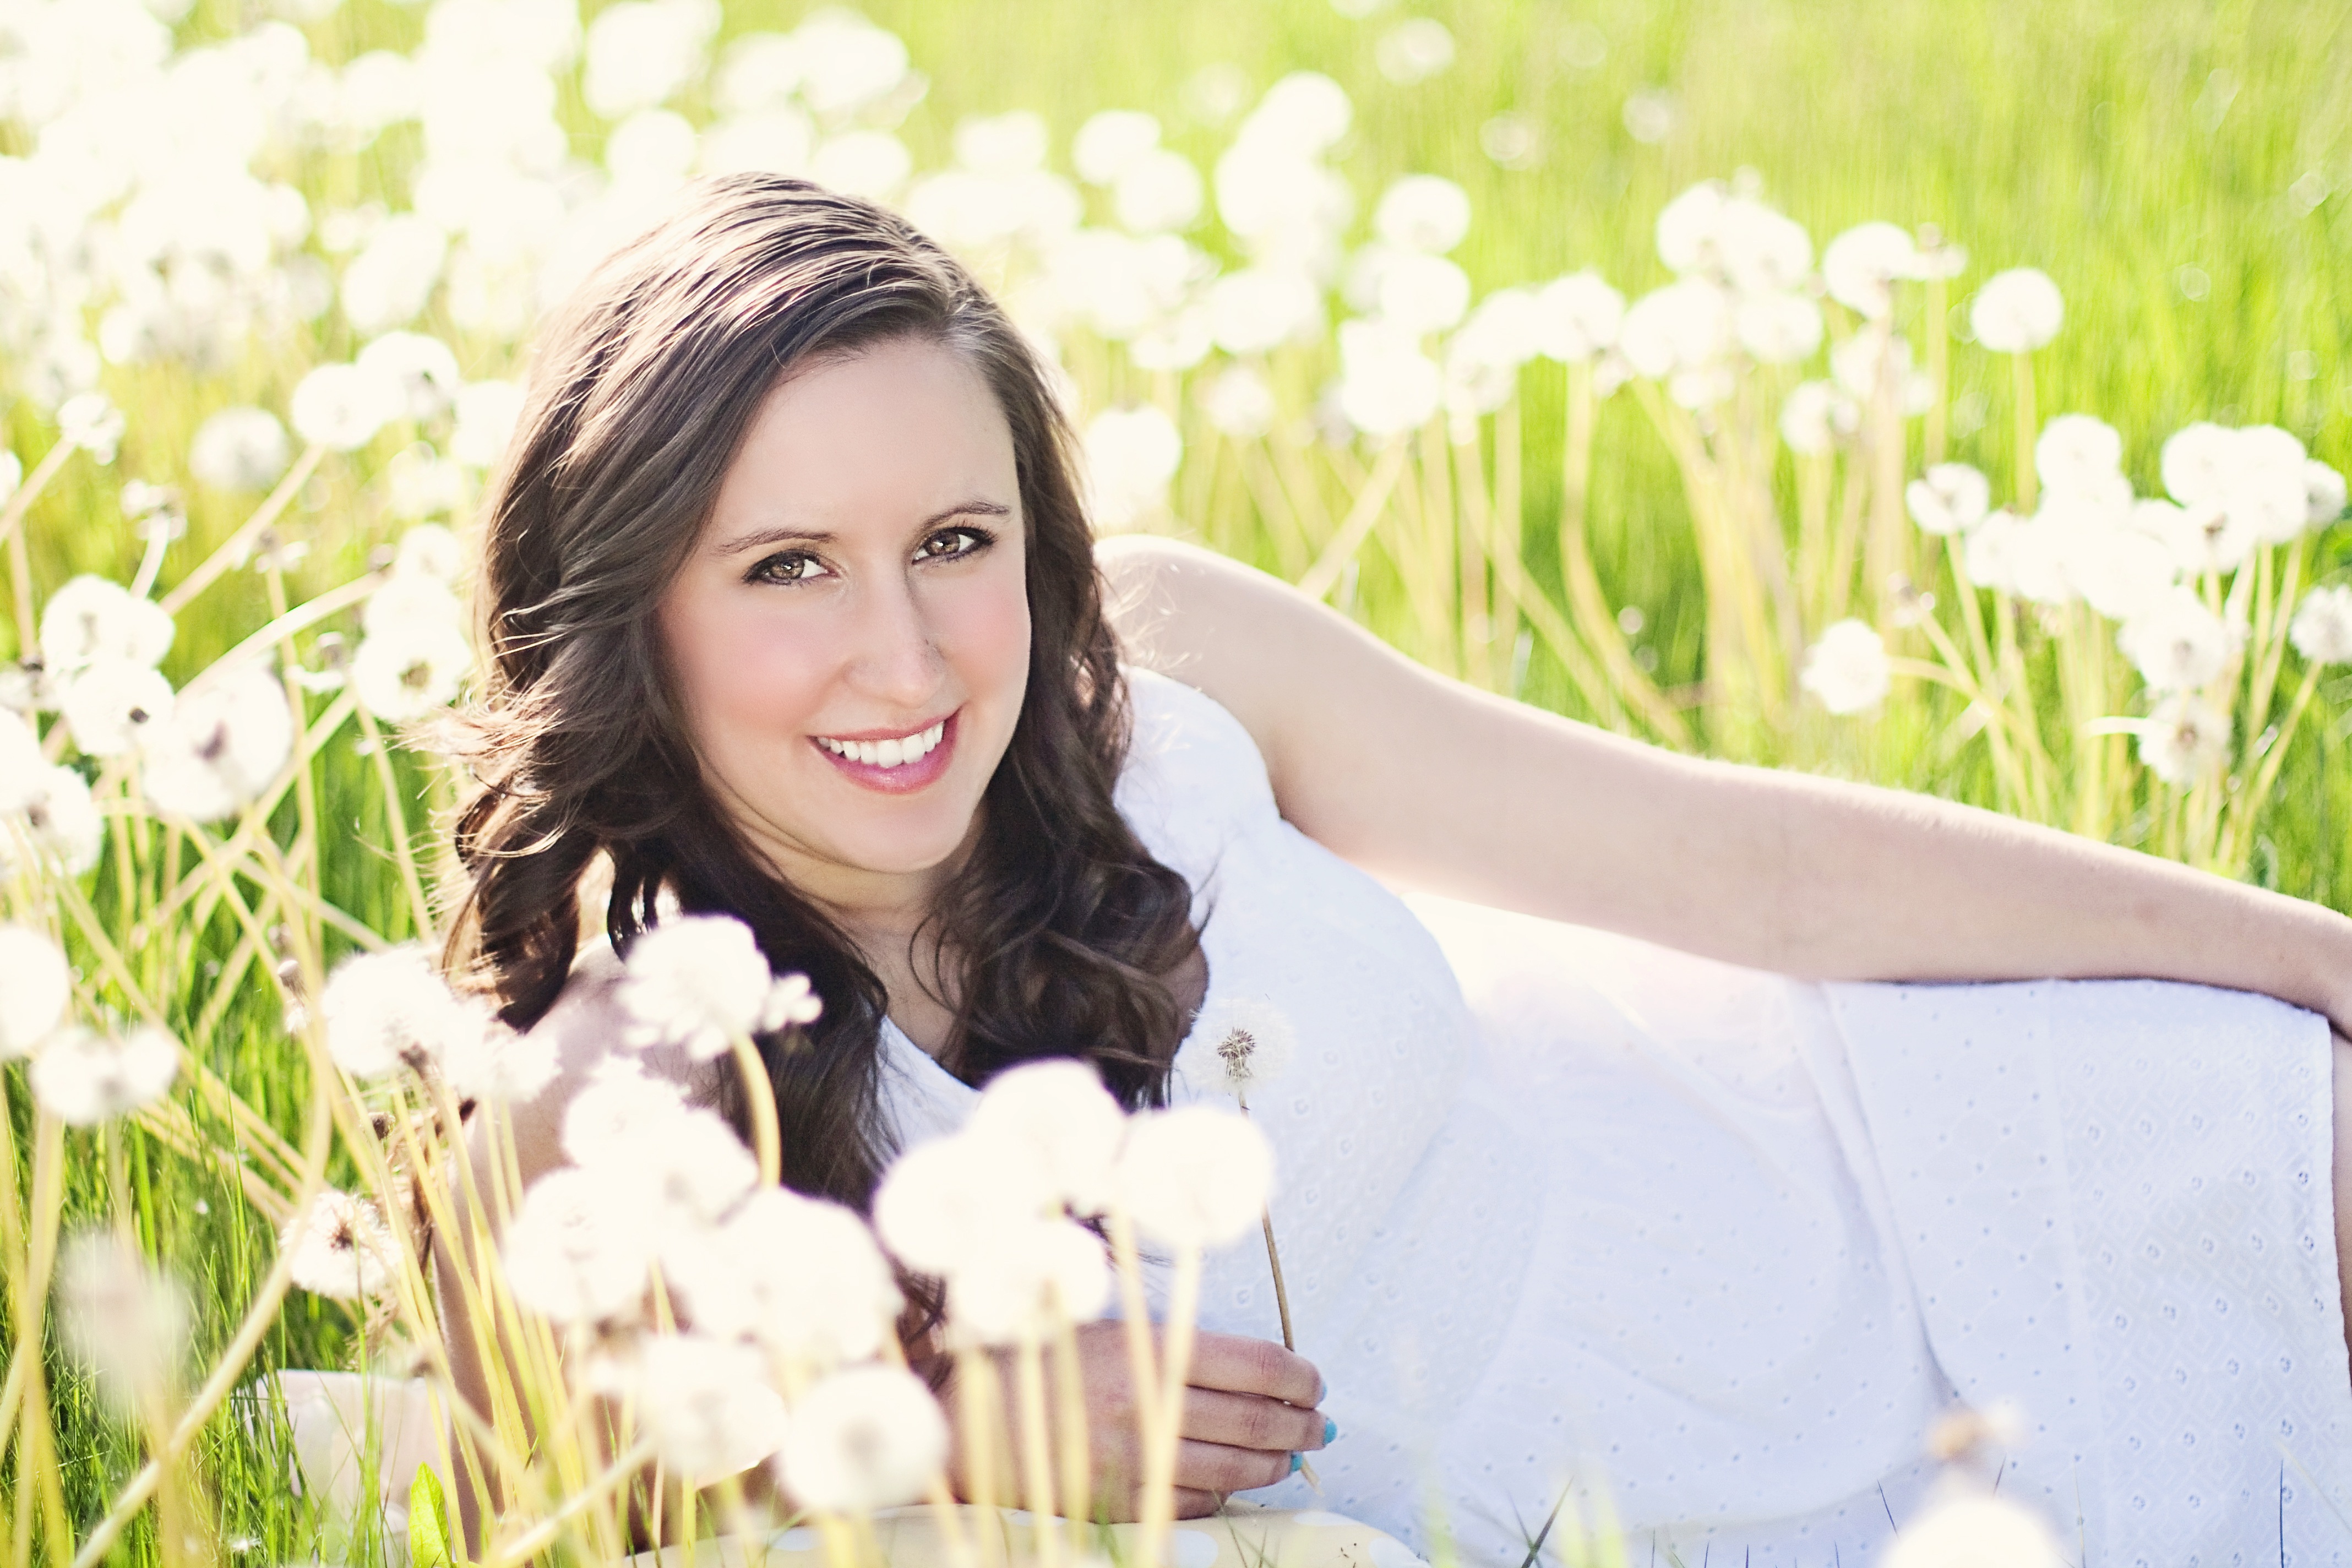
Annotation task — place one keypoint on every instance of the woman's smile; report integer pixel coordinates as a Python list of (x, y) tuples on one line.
[(893, 761)]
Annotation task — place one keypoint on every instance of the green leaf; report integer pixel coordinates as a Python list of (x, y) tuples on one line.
[(429, 1541)]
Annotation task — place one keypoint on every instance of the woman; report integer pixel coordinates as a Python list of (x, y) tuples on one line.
[(795, 615)]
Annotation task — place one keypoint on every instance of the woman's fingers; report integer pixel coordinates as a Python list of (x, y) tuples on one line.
[(1218, 1467), (1250, 1421), (1239, 1364)]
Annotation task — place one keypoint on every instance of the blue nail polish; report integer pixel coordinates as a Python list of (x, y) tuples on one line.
[(1330, 1431), (1296, 1460)]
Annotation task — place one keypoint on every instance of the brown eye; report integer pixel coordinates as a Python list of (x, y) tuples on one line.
[(951, 542), (784, 567)]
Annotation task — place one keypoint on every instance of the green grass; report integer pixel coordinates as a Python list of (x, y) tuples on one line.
[(2117, 146)]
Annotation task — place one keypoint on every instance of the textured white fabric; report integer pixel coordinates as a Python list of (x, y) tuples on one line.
[(1562, 1209)]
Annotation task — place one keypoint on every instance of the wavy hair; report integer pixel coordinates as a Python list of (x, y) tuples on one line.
[(1060, 930)]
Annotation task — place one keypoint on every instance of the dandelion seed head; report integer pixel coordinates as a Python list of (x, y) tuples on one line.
[(1950, 497), (708, 1405), (34, 1003), (941, 1204), (1033, 1273), (2321, 631), (485, 412), (1576, 318), (342, 407), (242, 448), (1254, 1041), (2119, 569), (1112, 140), (63, 820), (1815, 417), (581, 1248), (387, 1010), (1238, 402), (89, 618), (1159, 192), (220, 748), (2185, 740), (410, 669), (111, 704), (861, 1439), (1060, 1117), (2016, 311), (1194, 1176), (1387, 385), (1424, 213), (1131, 455), (697, 981), (1847, 668), (641, 53), (122, 1317), (1965, 1531), (341, 1247), (1257, 309), (90, 421), (804, 1278)]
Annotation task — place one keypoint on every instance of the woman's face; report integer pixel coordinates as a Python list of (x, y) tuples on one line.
[(851, 635)]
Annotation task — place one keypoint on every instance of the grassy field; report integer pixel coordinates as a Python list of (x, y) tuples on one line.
[(2183, 171)]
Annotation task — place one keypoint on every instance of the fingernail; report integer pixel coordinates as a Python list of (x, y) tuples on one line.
[(1330, 1431), (1296, 1460)]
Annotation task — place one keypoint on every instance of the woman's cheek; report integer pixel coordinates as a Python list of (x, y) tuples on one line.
[(757, 676), (988, 637)]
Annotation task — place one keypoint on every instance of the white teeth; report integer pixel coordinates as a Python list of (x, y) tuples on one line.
[(888, 753)]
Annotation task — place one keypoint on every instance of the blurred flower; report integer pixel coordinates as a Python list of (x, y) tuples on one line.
[(410, 598), (1158, 192), (2016, 311), (1684, 326), (341, 1247), (697, 981), (39, 990), (1861, 267), (1951, 497), (1306, 112), (1060, 1118), (2321, 631), (941, 1204), (420, 483), (1421, 294), (91, 423), (2185, 740), (1815, 416), (62, 818), (1032, 1273), (392, 1009), (1257, 309), (869, 163), (1239, 403), (241, 448), (422, 371), (1425, 212), (863, 1438), (1577, 317), (428, 550), (90, 618), (708, 1405), (1972, 1531), (83, 1078), (409, 669), (1194, 1176), (1131, 455), (122, 1317), (2177, 644), (1112, 140), (1847, 668), (2323, 489), (2213, 536), (221, 747), (2077, 452), (581, 1246), (804, 1278), (619, 1111), (493, 1062), (113, 703), (2119, 570), (1875, 356), (342, 407), (848, 62), (2199, 461), (1413, 51), (1387, 385), (388, 282), (1777, 329), (641, 53), (485, 415)]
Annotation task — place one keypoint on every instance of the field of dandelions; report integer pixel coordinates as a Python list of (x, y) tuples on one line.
[(1957, 404)]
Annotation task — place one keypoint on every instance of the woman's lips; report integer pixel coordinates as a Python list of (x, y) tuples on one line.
[(906, 777)]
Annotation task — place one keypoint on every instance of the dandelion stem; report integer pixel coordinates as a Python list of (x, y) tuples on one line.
[(20, 557), (759, 1098), (1324, 575), (233, 548)]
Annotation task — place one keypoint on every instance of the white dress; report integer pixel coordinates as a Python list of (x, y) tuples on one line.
[(1559, 1209)]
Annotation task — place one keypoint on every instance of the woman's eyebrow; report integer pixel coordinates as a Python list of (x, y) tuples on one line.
[(768, 536)]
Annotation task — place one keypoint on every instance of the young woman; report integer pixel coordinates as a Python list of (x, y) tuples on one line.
[(794, 614)]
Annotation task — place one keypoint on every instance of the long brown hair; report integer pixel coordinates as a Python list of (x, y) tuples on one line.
[(1061, 927)]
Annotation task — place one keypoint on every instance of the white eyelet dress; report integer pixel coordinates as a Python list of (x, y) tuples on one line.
[(1563, 1210)]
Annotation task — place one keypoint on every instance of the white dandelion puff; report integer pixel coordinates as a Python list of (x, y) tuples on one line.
[(1578, 317), (2323, 493), (112, 704), (1194, 1176), (1861, 267), (221, 747), (341, 1247), (699, 982), (804, 1277), (83, 1078), (91, 617), (411, 669), (2321, 628), (2184, 740), (342, 407), (1032, 1273), (581, 1248), (1424, 213), (1111, 141), (1131, 455), (1254, 1041), (864, 1439), (90, 421), (1847, 668), (387, 1010), (941, 1204), (1059, 1113), (1950, 497), (2078, 451), (422, 371), (122, 1317), (709, 1405), (1968, 1530), (39, 990), (242, 448), (2199, 461), (64, 819), (2017, 312)]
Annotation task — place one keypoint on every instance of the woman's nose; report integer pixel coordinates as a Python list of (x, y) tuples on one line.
[(896, 658)]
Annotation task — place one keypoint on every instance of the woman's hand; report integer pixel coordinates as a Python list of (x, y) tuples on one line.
[(1249, 1408)]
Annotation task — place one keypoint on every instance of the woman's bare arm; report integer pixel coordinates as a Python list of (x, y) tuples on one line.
[(1430, 784)]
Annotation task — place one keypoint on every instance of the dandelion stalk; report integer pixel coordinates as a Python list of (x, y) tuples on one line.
[(20, 558), (760, 1096), (235, 548)]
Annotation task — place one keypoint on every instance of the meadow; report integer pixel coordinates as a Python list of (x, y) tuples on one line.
[(1460, 409)]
